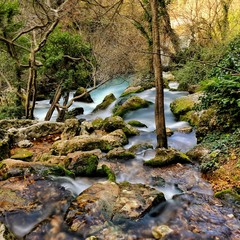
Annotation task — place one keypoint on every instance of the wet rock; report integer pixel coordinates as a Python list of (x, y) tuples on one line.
[(37, 131), (86, 97), (136, 123), (166, 157), (86, 128), (71, 129), (116, 122), (198, 153), (185, 129), (90, 142), (131, 90), (26, 202), (96, 207), (74, 112), (161, 231), (183, 105), (16, 123), (137, 148), (119, 154), (105, 103), (10, 168), (133, 103), (5, 233), (85, 165)]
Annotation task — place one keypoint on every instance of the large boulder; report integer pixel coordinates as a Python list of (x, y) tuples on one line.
[(110, 98), (90, 142), (106, 203), (84, 96), (36, 131), (131, 104), (113, 123), (72, 128), (184, 105), (166, 157), (120, 154), (131, 90)]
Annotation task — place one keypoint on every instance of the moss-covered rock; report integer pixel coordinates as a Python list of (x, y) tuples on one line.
[(97, 123), (119, 154), (86, 97), (166, 157), (133, 103), (84, 166), (131, 90), (116, 122), (183, 105), (72, 128), (74, 112), (22, 154), (136, 123), (105, 171), (105, 143), (110, 98)]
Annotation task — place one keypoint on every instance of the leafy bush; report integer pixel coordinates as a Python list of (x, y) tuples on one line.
[(223, 90), (11, 107), (67, 59)]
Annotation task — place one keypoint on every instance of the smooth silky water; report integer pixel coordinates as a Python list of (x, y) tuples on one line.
[(178, 140), (133, 171)]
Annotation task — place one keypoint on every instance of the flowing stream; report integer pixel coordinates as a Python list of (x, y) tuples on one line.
[(132, 171), (177, 179)]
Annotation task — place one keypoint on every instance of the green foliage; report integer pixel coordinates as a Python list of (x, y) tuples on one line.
[(11, 107), (66, 59), (222, 141), (223, 89), (8, 10)]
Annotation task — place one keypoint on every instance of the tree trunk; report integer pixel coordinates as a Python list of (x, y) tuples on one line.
[(157, 66), (56, 98), (31, 87)]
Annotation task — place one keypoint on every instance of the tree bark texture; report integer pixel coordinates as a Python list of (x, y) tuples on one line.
[(157, 66)]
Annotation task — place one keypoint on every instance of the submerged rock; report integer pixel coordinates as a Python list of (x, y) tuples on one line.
[(107, 203), (131, 104), (166, 157)]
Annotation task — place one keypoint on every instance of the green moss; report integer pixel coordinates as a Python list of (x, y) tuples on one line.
[(105, 103), (132, 90), (166, 157), (22, 154), (133, 103), (106, 171), (181, 106), (86, 166), (229, 195), (97, 123), (136, 123), (58, 171)]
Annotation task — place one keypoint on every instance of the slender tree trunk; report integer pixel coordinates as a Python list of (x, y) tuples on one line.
[(31, 87), (157, 66), (56, 98)]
